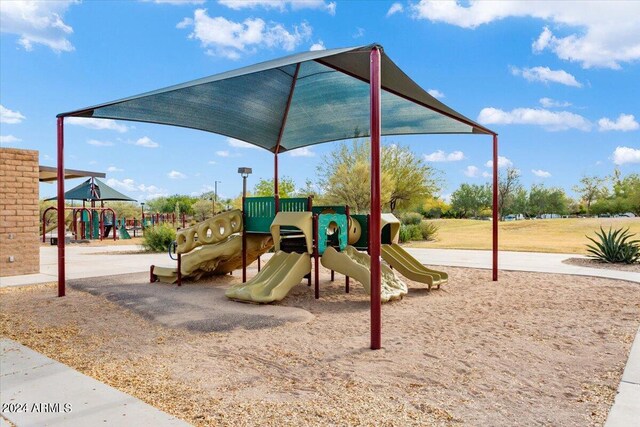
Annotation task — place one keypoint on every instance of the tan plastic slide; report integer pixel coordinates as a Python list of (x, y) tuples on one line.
[(273, 283), (216, 259), (356, 264), (213, 246), (411, 268)]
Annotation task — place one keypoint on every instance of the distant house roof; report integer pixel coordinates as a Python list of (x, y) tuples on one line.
[(50, 174), (94, 191)]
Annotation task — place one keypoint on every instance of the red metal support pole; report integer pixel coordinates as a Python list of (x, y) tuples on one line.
[(316, 258), (496, 214), (276, 190), (244, 240), (61, 226), (376, 211)]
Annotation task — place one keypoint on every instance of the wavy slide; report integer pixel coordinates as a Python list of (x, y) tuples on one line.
[(356, 264), (411, 268), (273, 283)]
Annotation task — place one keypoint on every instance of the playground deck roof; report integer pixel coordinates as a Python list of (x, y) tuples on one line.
[(94, 191), (292, 102)]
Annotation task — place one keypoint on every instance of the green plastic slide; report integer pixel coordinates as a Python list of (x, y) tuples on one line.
[(273, 283), (411, 268)]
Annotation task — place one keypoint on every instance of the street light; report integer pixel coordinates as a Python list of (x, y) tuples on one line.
[(244, 173), (142, 221)]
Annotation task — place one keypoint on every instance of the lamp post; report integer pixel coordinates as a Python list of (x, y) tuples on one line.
[(142, 220), (244, 173), (214, 200)]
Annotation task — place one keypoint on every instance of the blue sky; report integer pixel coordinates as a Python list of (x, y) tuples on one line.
[(559, 81)]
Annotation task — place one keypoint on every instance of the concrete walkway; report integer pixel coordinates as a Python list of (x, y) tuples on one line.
[(626, 408), (47, 393), (516, 261)]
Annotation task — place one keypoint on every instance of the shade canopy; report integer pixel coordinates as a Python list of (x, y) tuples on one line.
[(94, 191), (292, 102), (49, 174)]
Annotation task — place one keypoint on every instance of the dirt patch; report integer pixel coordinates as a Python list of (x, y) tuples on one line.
[(593, 263), (531, 349)]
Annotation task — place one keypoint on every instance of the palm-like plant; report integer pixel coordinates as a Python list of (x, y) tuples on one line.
[(615, 246)]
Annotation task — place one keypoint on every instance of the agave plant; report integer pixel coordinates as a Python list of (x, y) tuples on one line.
[(615, 246)]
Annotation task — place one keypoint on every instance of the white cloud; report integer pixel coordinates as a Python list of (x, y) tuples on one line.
[(395, 8), (624, 123), (97, 124), (98, 143), (145, 192), (176, 175), (471, 171), (358, 33), (236, 143), (9, 139), (550, 120), (10, 117), (441, 156), (599, 34), (551, 103), (212, 162), (221, 37), (486, 174), (37, 22), (226, 153), (540, 173), (317, 46), (114, 169), (302, 152), (546, 75), (622, 155), (146, 142), (436, 93), (178, 2), (281, 5), (503, 162)]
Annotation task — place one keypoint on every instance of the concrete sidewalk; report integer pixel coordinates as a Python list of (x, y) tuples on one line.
[(89, 261), (626, 408), (44, 392), (516, 261)]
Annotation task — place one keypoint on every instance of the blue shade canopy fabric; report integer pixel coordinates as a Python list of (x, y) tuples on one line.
[(94, 191), (292, 102)]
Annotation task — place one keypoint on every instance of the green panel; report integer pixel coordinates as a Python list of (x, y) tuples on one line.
[(363, 243), (259, 214), (294, 204), (324, 220)]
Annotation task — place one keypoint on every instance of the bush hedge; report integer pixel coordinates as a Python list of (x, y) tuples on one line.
[(158, 239)]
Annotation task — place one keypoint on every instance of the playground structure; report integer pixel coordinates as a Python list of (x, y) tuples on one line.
[(300, 234), (270, 104), (92, 222)]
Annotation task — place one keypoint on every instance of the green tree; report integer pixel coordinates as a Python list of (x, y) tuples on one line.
[(202, 209), (406, 180), (125, 210), (169, 204), (471, 199), (590, 189), (508, 186), (264, 187)]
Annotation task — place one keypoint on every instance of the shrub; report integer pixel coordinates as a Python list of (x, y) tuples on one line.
[(614, 246), (428, 230), (410, 218), (158, 239), (410, 232)]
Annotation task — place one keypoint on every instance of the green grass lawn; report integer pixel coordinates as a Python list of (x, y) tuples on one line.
[(540, 235)]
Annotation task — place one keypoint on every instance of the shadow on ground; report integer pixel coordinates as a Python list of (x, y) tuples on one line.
[(193, 306)]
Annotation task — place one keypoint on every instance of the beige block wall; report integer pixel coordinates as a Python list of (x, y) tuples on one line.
[(19, 212)]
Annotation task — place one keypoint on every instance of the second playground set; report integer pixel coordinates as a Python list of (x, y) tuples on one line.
[(299, 234)]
